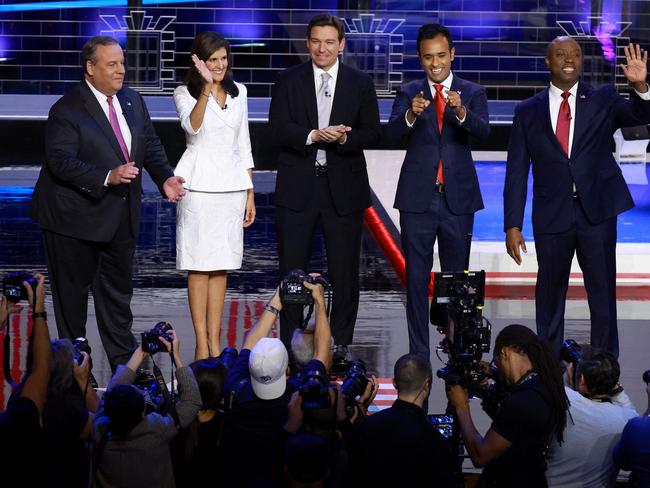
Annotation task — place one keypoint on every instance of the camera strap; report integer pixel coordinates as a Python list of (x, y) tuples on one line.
[(169, 399)]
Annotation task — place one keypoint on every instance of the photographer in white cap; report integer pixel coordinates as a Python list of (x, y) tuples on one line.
[(257, 395)]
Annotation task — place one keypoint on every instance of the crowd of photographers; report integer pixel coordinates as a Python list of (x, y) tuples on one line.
[(253, 418)]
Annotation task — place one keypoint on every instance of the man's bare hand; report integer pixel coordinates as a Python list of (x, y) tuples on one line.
[(636, 67), (514, 242), (418, 105), (454, 102), (173, 188), (333, 133), (124, 173)]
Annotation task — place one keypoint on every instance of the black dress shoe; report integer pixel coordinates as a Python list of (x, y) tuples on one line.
[(341, 354)]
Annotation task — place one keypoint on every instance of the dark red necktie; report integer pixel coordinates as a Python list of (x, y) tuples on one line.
[(564, 123), (440, 112)]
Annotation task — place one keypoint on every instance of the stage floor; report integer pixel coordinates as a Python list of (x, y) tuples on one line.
[(380, 335)]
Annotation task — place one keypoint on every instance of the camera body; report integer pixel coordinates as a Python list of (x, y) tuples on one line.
[(571, 352), (355, 381), (12, 285), (294, 292), (150, 339), (319, 413), (81, 345)]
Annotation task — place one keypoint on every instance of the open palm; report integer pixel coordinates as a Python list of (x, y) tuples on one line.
[(636, 69), (201, 67)]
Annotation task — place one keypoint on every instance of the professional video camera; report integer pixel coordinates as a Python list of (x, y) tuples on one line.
[(12, 285), (292, 290), (150, 339), (456, 310)]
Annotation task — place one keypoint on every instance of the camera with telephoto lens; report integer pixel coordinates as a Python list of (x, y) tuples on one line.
[(294, 292), (319, 414), (355, 381), (81, 345), (571, 352), (12, 285), (151, 339), (457, 312)]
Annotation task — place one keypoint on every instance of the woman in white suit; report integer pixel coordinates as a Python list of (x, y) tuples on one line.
[(217, 168)]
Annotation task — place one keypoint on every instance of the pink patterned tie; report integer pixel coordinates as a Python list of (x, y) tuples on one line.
[(112, 117)]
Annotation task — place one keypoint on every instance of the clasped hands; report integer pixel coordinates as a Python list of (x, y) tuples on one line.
[(332, 133)]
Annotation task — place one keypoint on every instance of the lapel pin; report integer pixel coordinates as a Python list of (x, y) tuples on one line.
[(582, 97), (128, 104)]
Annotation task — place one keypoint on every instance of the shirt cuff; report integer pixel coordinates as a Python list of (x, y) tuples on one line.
[(309, 141), (406, 118), (646, 95), (343, 139), (460, 121), (106, 179)]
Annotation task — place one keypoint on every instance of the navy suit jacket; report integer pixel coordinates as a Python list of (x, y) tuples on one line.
[(294, 114), (80, 147), (592, 168), (426, 146)]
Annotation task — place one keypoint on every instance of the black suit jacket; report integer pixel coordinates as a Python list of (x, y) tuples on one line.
[(70, 197), (294, 114)]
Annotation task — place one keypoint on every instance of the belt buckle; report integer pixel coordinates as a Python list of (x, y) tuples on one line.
[(321, 170)]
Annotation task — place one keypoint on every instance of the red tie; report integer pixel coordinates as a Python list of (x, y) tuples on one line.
[(112, 117), (564, 123), (440, 112)]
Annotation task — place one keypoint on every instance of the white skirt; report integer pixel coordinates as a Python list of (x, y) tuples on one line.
[(209, 231)]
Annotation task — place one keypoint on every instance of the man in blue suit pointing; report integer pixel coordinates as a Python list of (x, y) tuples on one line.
[(438, 190), (578, 189)]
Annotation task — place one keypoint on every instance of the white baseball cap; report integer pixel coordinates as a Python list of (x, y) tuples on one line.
[(267, 364)]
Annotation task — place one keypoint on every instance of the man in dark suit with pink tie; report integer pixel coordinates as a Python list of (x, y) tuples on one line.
[(98, 137), (578, 189), (438, 190)]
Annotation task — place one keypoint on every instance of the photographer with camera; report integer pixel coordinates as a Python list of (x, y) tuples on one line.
[(513, 450), (401, 439), (257, 393), (20, 423), (598, 411), (632, 453), (132, 446), (69, 412)]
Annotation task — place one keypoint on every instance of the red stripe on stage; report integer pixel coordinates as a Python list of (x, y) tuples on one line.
[(232, 325)]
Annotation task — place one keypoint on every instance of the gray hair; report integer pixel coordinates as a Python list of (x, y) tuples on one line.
[(302, 345), (89, 51)]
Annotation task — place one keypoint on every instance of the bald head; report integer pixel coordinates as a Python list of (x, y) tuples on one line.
[(564, 61)]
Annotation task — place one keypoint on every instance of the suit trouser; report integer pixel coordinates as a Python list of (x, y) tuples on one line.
[(342, 235), (419, 232), (75, 266), (595, 246)]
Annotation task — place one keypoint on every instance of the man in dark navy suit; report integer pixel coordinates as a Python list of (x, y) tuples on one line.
[(578, 189), (323, 114), (87, 197), (438, 190)]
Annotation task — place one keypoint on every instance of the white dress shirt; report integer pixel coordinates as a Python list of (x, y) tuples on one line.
[(333, 72)]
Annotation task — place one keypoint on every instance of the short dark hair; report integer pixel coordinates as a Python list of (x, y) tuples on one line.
[(89, 51), (124, 406), (429, 31), (600, 370), (323, 20), (210, 375), (204, 45), (410, 372)]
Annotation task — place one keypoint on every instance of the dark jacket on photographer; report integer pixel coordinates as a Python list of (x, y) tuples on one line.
[(143, 457)]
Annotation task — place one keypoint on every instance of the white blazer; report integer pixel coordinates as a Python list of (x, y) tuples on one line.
[(219, 152)]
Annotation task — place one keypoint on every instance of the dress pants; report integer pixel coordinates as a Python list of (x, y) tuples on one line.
[(419, 232), (343, 247), (76, 266), (595, 246)]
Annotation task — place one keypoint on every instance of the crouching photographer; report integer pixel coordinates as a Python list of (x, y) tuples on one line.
[(514, 448), (132, 447), (598, 412)]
